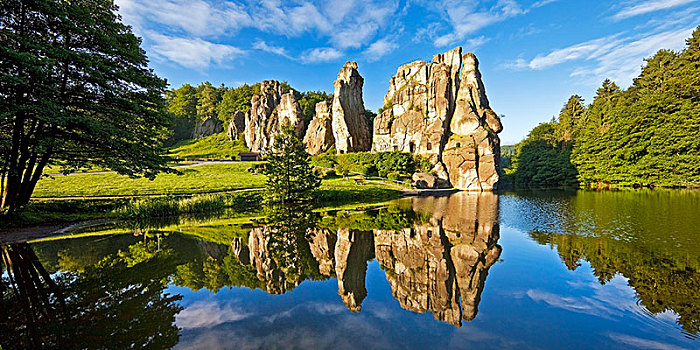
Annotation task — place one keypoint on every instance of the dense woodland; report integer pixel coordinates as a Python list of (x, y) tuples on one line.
[(646, 135)]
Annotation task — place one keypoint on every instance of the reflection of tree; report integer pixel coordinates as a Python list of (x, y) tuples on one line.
[(117, 303), (661, 280)]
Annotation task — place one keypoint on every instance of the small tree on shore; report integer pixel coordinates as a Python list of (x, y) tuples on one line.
[(290, 176)]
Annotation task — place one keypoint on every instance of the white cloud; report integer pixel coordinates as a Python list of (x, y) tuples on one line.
[(466, 17), (194, 17), (277, 50), (616, 57), (379, 48), (636, 8), (205, 314), (473, 43), (191, 53), (320, 54), (543, 3)]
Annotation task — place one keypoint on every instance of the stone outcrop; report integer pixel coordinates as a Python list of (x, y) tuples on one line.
[(235, 126), (350, 127), (267, 114), (208, 127), (439, 110), (319, 135)]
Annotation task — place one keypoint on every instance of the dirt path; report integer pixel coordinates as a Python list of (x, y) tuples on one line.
[(23, 234)]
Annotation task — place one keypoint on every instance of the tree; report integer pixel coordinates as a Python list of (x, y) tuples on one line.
[(569, 118), (76, 90), (182, 105), (290, 176), (207, 99)]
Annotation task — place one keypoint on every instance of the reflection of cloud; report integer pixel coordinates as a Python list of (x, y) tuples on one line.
[(641, 343), (208, 314), (349, 331), (612, 300), (315, 308)]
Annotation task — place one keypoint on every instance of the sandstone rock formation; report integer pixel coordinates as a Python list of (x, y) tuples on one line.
[(235, 126), (439, 110), (267, 114), (319, 135), (349, 124), (208, 127)]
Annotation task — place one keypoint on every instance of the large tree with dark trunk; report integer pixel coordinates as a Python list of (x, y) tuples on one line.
[(75, 90)]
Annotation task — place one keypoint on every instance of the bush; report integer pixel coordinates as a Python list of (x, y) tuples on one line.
[(372, 164), (394, 175)]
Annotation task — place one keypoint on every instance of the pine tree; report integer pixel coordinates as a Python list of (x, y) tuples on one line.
[(290, 176)]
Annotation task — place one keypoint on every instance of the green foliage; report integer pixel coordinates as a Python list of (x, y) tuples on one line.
[(308, 102), (290, 176), (76, 86), (207, 100), (541, 161), (372, 164), (647, 135)]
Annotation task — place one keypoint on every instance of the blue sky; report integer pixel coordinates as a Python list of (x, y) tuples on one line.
[(533, 54)]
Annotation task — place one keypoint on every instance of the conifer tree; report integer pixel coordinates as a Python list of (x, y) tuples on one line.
[(290, 176)]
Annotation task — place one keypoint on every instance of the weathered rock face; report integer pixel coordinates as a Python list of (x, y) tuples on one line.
[(236, 126), (319, 135), (350, 128), (432, 110), (267, 114), (208, 127)]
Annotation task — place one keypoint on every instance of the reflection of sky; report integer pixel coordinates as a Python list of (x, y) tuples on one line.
[(530, 301)]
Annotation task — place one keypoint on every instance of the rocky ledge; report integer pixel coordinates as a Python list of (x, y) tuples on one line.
[(440, 110)]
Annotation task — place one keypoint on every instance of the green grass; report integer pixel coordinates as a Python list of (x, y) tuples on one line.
[(197, 179), (211, 147)]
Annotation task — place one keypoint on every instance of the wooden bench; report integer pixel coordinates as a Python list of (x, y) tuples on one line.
[(359, 181)]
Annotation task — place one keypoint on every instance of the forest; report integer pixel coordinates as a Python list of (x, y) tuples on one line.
[(647, 135)]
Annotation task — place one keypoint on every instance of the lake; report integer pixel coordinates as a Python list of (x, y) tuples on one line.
[(545, 269)]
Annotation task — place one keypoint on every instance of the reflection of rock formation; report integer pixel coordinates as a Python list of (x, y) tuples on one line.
[(352, 251), (432, 265), (438, 265), (277, 278)]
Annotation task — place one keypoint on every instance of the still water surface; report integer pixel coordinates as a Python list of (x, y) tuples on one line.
[(517, 270)]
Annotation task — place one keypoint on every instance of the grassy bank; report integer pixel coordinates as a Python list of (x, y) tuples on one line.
[(194, 180), (197, 179), (211, 147)]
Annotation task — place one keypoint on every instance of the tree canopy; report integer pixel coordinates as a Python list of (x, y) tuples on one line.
[(646, 135), (75, 90)]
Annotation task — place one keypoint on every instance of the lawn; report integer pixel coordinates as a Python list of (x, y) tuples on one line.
[(197, 179), (211, 147)]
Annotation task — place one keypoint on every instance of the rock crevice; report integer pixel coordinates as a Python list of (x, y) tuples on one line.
[(439, 110)]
